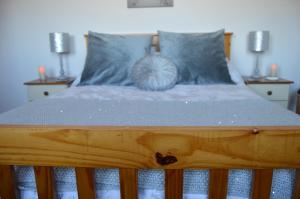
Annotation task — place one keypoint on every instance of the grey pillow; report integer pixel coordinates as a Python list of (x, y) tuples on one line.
[(199, 57), (154, 73), (110, 58)]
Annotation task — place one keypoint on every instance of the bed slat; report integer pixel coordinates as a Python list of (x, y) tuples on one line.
[(297, 186), (85, 183), (7, 184), (45, 182), (173, 183), (218, 180), (262, 183), (128, 183)]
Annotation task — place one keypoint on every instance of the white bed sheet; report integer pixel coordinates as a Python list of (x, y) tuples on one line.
[(192, 93)]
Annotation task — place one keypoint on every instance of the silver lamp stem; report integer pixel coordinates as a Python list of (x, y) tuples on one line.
[(61, 72), (60, 43), (257, 69)]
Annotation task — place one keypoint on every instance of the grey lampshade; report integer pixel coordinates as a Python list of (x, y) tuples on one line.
[(259, 41), (59, 42)]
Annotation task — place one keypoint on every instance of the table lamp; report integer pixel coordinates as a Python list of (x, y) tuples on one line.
[(60, 44), (258, 43)]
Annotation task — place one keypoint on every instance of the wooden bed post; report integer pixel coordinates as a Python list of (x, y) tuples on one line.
[(218, 180), (262, 183), (173, 184), (128, 183), (85, 183), (7, 183), (45, 182), (297, 185)]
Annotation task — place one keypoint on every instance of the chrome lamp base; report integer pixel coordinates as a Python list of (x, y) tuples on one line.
[(256, 74), (62, 75)]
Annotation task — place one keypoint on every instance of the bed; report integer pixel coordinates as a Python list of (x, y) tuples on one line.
[(215, 128)]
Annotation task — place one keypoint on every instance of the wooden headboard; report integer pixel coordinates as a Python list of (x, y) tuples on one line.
[(155, 42)]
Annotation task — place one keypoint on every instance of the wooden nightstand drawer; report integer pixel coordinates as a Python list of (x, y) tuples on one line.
[(41, 91), (278, 92), (38, 89)]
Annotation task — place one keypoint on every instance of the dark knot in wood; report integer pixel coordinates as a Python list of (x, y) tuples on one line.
[(163, 161), (255, 131)]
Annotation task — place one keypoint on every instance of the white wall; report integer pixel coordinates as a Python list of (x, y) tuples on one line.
[(24, 28)]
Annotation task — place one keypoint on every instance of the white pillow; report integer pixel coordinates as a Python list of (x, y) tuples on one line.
[(76, 81), (235, 75)]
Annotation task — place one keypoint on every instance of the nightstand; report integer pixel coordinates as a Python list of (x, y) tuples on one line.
[(38, 89), (273, 90)]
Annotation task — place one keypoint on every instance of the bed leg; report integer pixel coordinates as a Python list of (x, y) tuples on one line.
[(7, 183), (218, 180), (85, 183), (45, 182), (173, 184), (297, 185), (128, 183), (262, 183)]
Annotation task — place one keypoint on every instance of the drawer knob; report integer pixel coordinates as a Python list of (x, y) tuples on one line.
[(46, 93), (269, 92)]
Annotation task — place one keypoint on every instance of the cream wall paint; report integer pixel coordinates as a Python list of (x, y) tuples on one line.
[(24, 28)]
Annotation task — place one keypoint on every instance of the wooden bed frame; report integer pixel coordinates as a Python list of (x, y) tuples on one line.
[(131, 148), (155, 42)]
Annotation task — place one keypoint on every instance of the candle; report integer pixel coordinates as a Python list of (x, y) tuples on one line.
[(42, 73), (274, 68)]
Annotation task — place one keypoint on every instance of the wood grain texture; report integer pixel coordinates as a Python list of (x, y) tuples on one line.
[(218, 182), (129, 183), (45, 182), (51, 81), (296, 194), (263, 80), (85, 183), (135, 147), (262, 183), (155, 41), (227, 44), (173, 184), (7, 183)]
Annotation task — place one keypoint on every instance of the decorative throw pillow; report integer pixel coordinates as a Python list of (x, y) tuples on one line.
[(154, 73), (110, 58), (199, 57)]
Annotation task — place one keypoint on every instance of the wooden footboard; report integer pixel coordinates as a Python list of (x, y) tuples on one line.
[(132, 148)]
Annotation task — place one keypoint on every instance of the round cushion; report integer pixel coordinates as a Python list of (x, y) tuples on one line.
[(154, 73)]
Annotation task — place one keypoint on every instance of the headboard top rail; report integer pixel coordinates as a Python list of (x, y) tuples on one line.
[(155, 41)]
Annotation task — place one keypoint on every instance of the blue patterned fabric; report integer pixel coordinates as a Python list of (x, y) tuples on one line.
[(240, 183), (283, 182), (154, 73), (110, 58), (199, 57)]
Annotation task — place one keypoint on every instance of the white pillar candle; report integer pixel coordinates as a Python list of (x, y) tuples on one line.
[(274, 68), (42, 73)]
